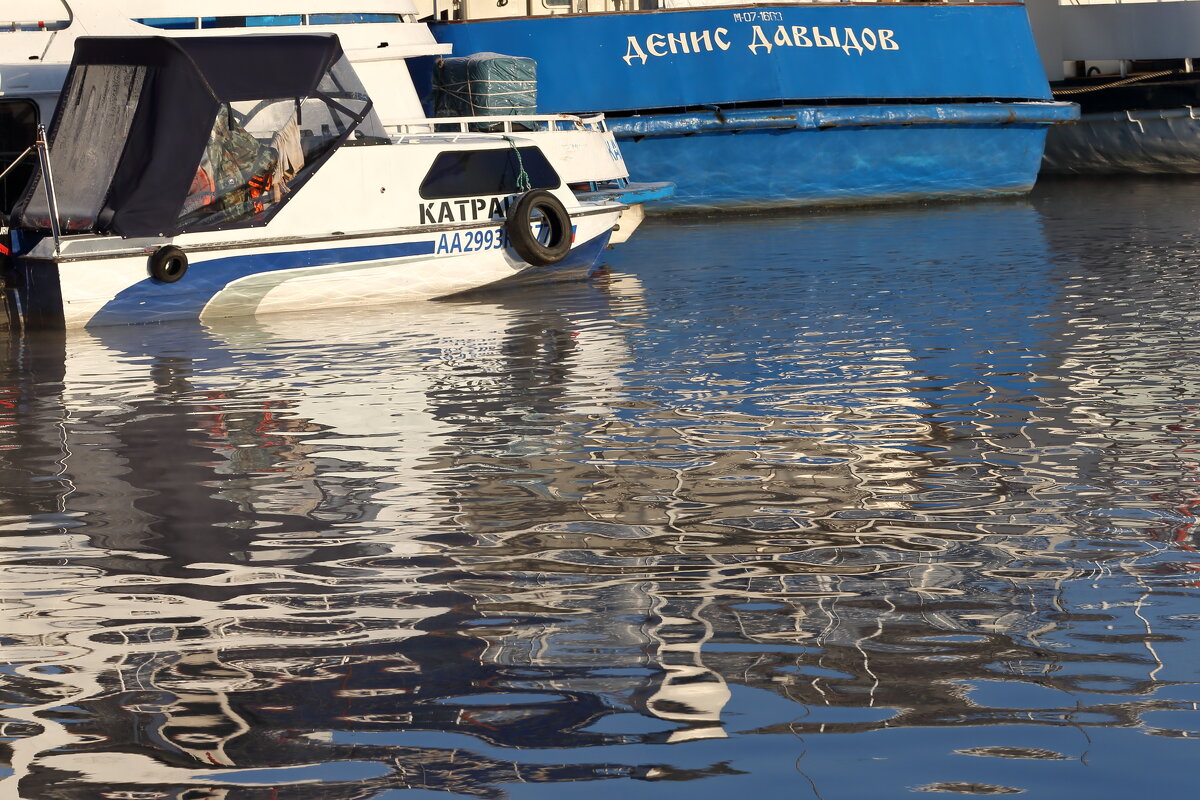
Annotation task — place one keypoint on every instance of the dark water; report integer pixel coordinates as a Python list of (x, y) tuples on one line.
[(842, 505)]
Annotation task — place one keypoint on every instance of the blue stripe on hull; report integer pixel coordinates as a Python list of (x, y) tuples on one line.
[(850, 165), (152, 301)]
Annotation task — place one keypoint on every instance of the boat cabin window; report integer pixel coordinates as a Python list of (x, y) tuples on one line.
[(478, 173), (351, 19), (264, 21), (256, 148), (260, 21), (18, 128)]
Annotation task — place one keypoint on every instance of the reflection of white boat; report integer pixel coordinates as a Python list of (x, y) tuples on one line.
[(179, 693), (187, 187), (377, 38)]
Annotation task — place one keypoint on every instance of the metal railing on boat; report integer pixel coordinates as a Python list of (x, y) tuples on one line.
[(514, 124)]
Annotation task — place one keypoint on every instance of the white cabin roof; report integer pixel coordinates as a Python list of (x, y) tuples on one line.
[(51, 11), (48, 34)]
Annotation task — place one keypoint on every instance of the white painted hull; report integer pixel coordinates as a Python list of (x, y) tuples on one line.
[(345, 273)]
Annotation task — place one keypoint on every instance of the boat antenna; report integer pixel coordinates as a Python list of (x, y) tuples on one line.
[(43, 149)]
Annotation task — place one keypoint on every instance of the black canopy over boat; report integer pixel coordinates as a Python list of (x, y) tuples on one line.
[(158, 136)]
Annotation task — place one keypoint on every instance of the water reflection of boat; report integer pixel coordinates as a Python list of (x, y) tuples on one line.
[(232, 562), (503, 542)]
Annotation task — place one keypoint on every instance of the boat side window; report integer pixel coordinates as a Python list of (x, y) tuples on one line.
[(351, 19), (479, 173), (267, 20), (259, 21), (169, 23), (18, 128)]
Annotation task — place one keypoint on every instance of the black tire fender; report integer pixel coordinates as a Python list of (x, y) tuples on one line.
[(168, 264), (543, 204)]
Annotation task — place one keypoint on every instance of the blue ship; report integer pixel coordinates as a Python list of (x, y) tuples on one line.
[(795, 105)]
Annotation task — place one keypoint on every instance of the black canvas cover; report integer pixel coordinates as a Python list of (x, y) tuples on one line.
[(144, 124)]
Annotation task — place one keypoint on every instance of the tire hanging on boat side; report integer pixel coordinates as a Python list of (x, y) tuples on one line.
[(168, 264), (553, 215)]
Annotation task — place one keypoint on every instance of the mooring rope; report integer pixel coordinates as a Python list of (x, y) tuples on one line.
[(16, 161), (1123, 82), (523, 183)]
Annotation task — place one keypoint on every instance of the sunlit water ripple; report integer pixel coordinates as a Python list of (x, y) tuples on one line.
[(841, 505)]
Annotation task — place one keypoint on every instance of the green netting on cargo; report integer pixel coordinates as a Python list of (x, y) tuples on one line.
[(484, 84)]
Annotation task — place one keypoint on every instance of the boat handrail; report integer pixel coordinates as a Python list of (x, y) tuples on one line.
[(13, 25), (517, 123)]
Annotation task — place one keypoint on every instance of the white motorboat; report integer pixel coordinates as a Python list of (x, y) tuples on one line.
[(229, 175)]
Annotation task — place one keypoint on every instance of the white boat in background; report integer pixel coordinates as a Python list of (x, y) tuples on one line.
[(1129, 66), (184, 185), (378, 36)]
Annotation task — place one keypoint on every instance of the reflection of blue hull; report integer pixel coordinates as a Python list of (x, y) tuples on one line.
[(794, 105), (759, 163)]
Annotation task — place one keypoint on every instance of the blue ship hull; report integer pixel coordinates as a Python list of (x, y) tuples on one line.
[(798, 105), (876, 154)]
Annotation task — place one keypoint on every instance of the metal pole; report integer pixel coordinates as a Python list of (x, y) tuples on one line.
[(48, 181)]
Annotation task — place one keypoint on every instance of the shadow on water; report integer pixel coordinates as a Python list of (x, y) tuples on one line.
[(923, 477)]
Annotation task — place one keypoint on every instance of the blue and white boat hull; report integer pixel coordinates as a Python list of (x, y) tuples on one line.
[(84, 290)]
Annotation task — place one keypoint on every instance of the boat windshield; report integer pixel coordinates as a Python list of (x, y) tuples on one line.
[(156, 136), (257, 149)]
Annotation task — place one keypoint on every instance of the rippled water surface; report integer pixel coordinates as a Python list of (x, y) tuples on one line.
[(856, 504)]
